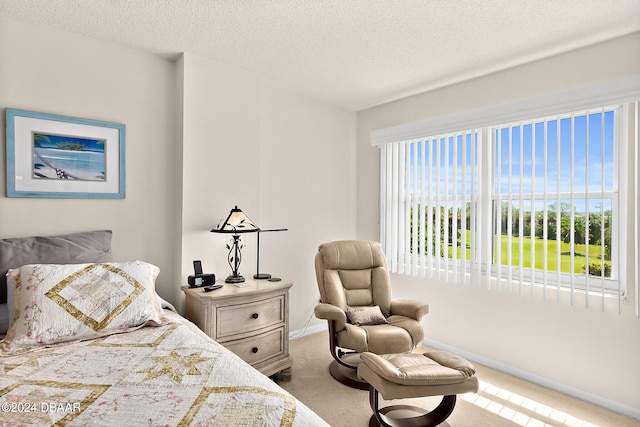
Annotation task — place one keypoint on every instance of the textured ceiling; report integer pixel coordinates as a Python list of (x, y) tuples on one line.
[(351, 53)]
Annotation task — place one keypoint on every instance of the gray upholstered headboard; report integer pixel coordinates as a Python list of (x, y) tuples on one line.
[(78, 248)]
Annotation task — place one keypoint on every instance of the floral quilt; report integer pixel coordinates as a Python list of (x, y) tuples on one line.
[(168, 375)]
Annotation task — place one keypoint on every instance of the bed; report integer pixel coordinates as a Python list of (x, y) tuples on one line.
[(89, 342)]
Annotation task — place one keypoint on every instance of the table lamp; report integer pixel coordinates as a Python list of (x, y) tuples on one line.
[(236, 223)]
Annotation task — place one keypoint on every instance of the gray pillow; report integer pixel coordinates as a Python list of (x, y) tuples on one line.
[(92, 246)]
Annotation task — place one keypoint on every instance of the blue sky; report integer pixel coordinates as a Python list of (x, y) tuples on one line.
[(596, 153), (587, 151)]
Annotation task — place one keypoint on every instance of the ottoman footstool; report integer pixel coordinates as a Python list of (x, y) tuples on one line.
[(398, 376)]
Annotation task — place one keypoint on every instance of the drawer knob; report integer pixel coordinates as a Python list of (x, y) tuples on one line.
[(254, 349), (255, 316)]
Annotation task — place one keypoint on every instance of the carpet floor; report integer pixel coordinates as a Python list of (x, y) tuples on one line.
[(502, 400)]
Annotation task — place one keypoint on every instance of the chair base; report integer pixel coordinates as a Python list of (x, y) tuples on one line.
[(348, 376)]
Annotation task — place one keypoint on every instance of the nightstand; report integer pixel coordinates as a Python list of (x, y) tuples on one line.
[(251, 321)]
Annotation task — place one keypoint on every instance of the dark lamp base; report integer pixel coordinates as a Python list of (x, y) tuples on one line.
[(234, 279), (262, 276)]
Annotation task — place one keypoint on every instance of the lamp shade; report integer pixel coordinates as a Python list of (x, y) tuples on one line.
[(237, 222)]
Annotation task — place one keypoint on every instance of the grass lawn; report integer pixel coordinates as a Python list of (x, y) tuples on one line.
[(595, 252)]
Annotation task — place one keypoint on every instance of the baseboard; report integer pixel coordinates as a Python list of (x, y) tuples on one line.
[(307, 331), (611, 405)]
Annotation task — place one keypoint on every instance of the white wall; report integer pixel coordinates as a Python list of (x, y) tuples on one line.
[(50, 71), (285, 160), (588, 352), (201, 138)]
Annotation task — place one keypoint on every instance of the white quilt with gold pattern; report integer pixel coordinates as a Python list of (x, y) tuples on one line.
[(169, 375)]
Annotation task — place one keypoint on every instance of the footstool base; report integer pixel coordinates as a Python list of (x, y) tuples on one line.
[(398, 376), (408, 415)]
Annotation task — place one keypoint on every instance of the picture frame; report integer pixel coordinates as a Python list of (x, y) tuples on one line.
[(54, 156)]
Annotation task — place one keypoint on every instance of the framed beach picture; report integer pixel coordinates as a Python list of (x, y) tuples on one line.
[(64, 157)]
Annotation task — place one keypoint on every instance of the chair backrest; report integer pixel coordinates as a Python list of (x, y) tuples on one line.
[(353, 273)]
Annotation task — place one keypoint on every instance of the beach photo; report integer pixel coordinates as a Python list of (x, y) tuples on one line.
[(54, 156), (68, 157)]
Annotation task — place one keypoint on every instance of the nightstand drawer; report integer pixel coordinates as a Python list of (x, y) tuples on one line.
[(232, 320), (258, 348)]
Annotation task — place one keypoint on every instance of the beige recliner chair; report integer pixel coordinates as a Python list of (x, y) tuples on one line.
[(355, 289)]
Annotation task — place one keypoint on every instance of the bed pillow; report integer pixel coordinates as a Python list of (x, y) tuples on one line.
[(6, 310), (61, 303), (11, 290), (364, 316), (91, 246)]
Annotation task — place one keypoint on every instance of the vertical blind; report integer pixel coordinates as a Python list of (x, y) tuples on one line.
[(527, 205), (430, 188)]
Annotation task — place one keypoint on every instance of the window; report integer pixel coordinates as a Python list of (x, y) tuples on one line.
[(555, 199), (529, 203)]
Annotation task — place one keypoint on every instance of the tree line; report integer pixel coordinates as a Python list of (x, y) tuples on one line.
[(597, 231)]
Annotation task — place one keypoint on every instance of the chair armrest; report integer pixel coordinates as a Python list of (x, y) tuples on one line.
[(409, 308), (331, 313)]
